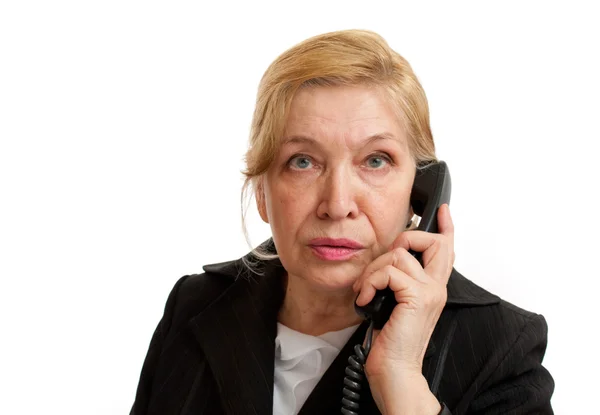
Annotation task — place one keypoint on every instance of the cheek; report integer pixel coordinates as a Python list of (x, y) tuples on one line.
[(288, 205), (389, 214)]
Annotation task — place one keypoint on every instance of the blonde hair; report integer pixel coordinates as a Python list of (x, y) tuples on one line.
[(348, 57)]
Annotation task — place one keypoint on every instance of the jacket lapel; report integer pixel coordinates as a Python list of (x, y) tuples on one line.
[(237, 334), (326, 397)]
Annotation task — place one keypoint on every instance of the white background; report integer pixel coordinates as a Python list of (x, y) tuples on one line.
[(123, 126)]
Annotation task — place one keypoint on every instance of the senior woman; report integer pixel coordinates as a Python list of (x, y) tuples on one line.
[(340, 128)]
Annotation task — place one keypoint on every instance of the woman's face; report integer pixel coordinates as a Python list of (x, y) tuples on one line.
[(337, 194)]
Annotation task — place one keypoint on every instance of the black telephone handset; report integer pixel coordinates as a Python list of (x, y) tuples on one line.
[(431, 189)]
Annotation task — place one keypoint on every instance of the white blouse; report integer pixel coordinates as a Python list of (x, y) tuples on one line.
[(300, 361)]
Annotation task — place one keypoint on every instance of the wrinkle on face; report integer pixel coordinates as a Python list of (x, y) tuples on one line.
[(338, 128)]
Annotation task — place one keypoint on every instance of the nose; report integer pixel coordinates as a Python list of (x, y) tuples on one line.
[(338, 196)]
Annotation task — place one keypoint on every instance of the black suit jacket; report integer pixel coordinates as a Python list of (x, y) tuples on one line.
[(213, 351)]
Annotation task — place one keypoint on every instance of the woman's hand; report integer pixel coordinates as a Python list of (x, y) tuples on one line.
[(394, 364)]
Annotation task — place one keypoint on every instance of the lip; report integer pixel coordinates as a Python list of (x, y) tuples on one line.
[(335, 249), (337, 242)]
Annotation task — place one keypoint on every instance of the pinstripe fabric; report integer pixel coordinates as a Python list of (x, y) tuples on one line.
[(213, 351)]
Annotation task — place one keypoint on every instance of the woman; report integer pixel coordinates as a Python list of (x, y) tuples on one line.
[(340, 126)]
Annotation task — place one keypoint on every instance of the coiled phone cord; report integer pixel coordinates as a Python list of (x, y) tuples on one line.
[(355, 373)]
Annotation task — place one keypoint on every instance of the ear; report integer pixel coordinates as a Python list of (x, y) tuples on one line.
[(261, 202)]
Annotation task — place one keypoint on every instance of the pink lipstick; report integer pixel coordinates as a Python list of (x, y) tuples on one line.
[(335, 249)]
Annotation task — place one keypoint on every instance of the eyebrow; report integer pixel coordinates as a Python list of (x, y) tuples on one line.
[(299, 139)]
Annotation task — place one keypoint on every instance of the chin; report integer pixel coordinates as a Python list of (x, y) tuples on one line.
[(332, 277)]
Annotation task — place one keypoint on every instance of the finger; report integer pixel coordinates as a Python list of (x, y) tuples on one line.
[(421, 242), (445, 223), (437, 249), (446, 228), (399, 258), (407, 263), (418, 241), (388, 276)]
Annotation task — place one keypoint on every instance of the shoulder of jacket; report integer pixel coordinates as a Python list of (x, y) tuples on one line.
[(195, 292), (512, 309), (499, 314), (496, 329)]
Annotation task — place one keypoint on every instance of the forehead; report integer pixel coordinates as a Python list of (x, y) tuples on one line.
[(356, 112)]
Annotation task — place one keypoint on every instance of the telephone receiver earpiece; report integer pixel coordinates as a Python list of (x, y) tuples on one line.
[(431, 189)]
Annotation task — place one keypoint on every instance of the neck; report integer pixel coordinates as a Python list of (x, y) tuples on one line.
[(310, 310)]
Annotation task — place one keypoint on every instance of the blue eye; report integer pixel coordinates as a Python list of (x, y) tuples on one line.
[(300, 162), (376, 162)]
